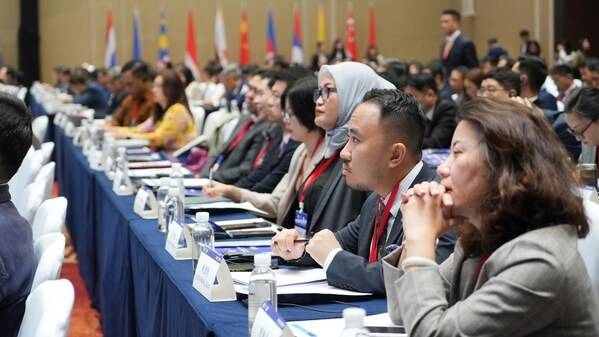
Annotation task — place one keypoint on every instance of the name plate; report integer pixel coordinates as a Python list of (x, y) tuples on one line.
[(121, 184), (212, 278), (268, 323), (95, 160), (175, 234), (145, 204)]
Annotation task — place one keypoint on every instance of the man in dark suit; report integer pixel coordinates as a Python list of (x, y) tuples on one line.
[(90, 94), (440, 114), (533, 73), (383, 155), (457, 50), (16, 247)]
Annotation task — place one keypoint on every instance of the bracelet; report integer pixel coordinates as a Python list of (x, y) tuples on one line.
[(417, 261)]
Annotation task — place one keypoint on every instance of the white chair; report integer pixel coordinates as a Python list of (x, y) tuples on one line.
[(50, 217), (31, 165), (39, 127), (22, 93), (199, 114), (46, 176), (227, 129), (588, 246), (49, 254), (35, 194), (46, 150), (48, 310)]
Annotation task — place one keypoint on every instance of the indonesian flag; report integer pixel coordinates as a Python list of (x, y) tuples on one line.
[(244, 40), (220, 38), (109, 44), (191, 54), (297, 48), (350, 35)]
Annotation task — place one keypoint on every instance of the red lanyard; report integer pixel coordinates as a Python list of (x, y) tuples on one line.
[(482, 261), (380, 227), (314, 175), (260, 156), (239, 136), (320, 140)]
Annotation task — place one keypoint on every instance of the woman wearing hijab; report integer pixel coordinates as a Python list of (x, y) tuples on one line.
[(323, 200)]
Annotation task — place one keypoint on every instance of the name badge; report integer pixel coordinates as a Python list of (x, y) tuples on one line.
[(145, 204), (301, 222), (178, 242), (268, 323), (212, 278)]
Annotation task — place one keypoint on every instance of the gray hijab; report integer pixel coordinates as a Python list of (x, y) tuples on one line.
[(352, 80)]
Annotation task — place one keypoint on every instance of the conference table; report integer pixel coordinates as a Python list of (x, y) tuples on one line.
[(135, 284)]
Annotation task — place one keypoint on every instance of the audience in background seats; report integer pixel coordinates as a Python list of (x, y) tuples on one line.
[(139, 104), (89, 93)]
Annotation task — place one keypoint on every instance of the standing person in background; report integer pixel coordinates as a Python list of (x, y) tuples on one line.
[(457, 50), (524, 41), (338, 53), (139, 105), (319, 58)]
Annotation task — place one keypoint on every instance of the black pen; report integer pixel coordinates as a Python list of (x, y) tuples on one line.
[(296, 241)]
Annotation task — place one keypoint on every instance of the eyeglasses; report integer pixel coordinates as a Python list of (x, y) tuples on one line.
[(490, 90), (288, 114), (325, 93), (580, 134)]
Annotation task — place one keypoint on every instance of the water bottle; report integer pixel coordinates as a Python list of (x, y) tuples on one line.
[(108, 157), (174, 212), (122, 165), (177, 177), (354, 323), (202, 235), (161, 197), (262, 287)]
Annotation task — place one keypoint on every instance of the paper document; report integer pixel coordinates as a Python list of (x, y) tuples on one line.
[(139, 151), (154, 172), (241, 243), (188, 182), (246, 206), (131, 142), (333, 327), (286, 277), (318, 287), (150, 164)]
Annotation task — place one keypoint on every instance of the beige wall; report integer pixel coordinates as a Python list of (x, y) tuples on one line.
[(9, 27), (72, 32)]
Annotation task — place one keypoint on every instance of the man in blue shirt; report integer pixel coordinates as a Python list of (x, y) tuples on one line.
[(16, 244), (90, 94)]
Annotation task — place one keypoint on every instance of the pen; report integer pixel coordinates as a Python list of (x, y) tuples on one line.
[(296, 241)]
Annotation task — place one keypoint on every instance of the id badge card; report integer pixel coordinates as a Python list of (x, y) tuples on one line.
[(301, 222)]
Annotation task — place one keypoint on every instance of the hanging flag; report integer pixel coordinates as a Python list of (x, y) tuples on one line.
[(371, 27), (220, 39), (109, 44), (136, 35), (191, 54), (297, 47), (320, 25), (244, 40), (163, 53), (271, 40), (350, 35)]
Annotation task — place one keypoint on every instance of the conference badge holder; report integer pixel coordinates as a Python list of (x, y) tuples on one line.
[(212, 278), (301, 220)]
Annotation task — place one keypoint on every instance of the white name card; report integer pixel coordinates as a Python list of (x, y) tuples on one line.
[(172, 246), (268, 323), (78, 138), (121, 184), (95, 160), (69, 130), (145, 204), (212, 278)]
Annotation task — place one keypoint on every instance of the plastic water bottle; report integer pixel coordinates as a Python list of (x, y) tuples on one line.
[(174, 212), (177, 177), (109, 157), (161, 197), (261, 288), (354, 322), (121, 161), (202, 235)]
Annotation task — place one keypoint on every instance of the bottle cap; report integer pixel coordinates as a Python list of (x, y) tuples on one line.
[(354, 317), (262, 260), (202, 217), (122, 150)]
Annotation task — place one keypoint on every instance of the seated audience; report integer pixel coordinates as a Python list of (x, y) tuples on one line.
[(62, 77), (582, 113), (117, 91), (89, 93), (516, 268), (17, 262), (235, 86), (139, 105), (502, 83), (472, 82), (563, 76), (456, 84), (383, 155), (209, 92), (533, 73), (440, 113), (11, 76)]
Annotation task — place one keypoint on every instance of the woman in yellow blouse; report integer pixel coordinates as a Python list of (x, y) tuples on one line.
[(171, 126)]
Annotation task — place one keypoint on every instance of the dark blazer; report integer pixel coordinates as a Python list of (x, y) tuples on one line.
[(274, 166), (462, 53), (238, 163), (545, 100), (440, 129), (93, 97), (558, 122), (350, 268), (17, 265), (115, 101)]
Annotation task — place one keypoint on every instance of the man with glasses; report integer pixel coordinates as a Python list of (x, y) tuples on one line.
[(500, 83), (582, 113)]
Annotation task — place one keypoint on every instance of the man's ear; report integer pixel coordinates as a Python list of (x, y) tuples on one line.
[(398, 154)]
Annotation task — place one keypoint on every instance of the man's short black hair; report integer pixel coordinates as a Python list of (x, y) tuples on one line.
[(508, 79), (535, 70), (562, 70), (15, 135), (455, 14), (524, 33), (139, 69), (584, 102), (423, 82), (79, 76), (401, 116), (592, 64)]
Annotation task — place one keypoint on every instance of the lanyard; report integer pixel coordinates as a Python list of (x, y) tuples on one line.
[(314, 175), (380, 226), (301, 172), (260, 156), (240, 135)]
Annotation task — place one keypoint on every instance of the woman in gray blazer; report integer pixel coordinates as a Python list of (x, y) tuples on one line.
[(516, 271)]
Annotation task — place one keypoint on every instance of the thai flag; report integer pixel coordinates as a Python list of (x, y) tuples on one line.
[(297, 48), (109, 44), (136, 36), (271, 40)]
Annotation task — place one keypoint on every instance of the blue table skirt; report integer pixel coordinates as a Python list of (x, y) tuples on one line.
[(139, 289)]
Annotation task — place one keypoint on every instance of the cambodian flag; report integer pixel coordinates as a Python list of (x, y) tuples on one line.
[(297, 47)]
